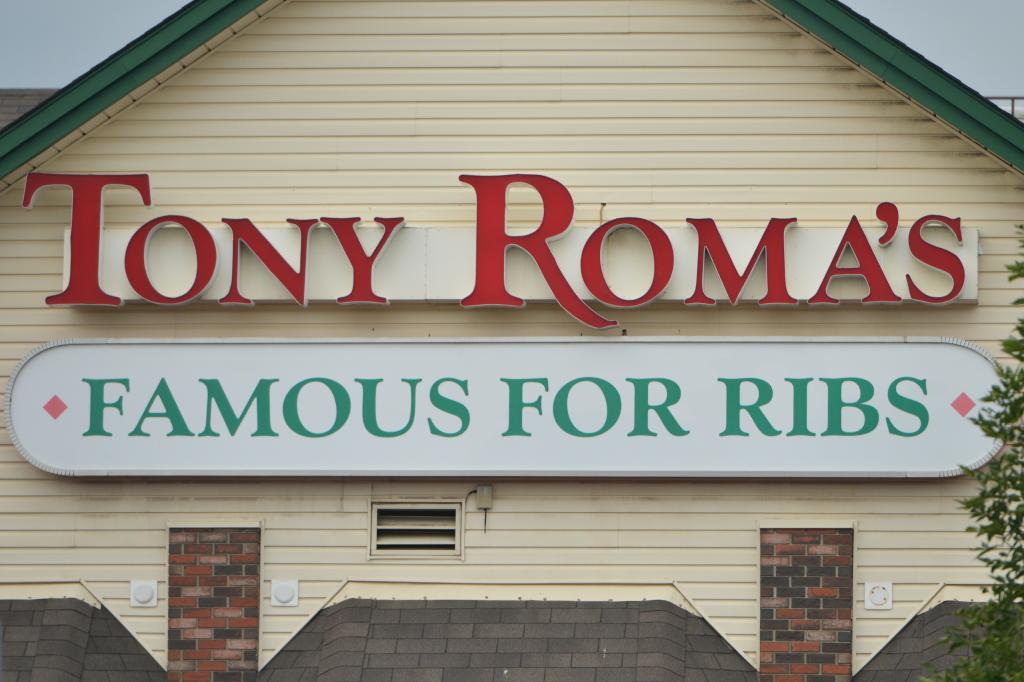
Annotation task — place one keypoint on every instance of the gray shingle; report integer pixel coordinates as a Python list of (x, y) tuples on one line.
[(569, 675), (448, 630), (576, 616), (534, 615), (420, 646), (494, 660), (620, 675), (418, 675), (547, 660), (445, 660), (426, 616), (475, 645), (522, 646), (573, 646), (521, 675), (498, 630), (548, 630), (393, 661), (475, 615), (398, 630), (611, 630)]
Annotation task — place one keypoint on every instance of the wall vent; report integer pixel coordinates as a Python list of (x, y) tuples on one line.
[(404, 529)]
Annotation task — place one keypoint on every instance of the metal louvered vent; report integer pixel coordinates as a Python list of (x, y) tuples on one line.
[(415, 529)]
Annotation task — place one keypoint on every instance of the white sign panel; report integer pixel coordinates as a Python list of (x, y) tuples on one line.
[(537, 407)]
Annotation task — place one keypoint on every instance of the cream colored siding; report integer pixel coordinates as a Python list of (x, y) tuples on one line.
[(665, 109), (702, 535)]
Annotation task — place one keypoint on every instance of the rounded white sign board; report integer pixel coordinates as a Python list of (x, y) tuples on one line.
[(524, 407)]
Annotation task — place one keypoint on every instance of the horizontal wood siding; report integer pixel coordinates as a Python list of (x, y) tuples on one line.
[(660, 108)]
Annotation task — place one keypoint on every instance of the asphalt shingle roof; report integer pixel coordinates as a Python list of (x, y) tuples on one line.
[(14, 103), (917, 649), (506, 641), (67, 640)]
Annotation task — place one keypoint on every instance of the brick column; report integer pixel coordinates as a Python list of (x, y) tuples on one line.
[(214, 605), (806, 604)]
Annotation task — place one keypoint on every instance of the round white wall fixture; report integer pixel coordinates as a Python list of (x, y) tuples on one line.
[(143, 593), (878, 596), (284, 592)]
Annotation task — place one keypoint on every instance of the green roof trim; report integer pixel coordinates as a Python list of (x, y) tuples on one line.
[(830, 21), (115, 77), (905, 70)]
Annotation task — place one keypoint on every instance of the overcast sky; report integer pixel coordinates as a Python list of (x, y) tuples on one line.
[(47, 43)]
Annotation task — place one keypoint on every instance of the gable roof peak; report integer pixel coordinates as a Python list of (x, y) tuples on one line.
[(24, 141), (909, 73)]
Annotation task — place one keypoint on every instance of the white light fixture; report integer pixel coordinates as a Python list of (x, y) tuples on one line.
[(284, 592), (142, 594), (878, 596)]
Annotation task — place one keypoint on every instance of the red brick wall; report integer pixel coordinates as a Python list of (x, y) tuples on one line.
[(806, 604), (214, 604)]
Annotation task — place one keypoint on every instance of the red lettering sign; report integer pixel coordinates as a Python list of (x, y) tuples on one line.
[(362, 263), (593, 270), (86, 227), (493, 241), (868, 268), (772, 245), (138, 247), (294, 280), (937, 257)]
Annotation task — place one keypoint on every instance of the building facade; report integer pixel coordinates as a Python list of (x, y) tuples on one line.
[(572, 554)]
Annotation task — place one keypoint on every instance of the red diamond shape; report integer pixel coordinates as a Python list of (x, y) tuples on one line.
[(55, 407), (963, 404)]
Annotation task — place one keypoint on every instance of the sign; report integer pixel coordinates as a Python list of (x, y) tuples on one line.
[(528, 407), (624, 262)]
